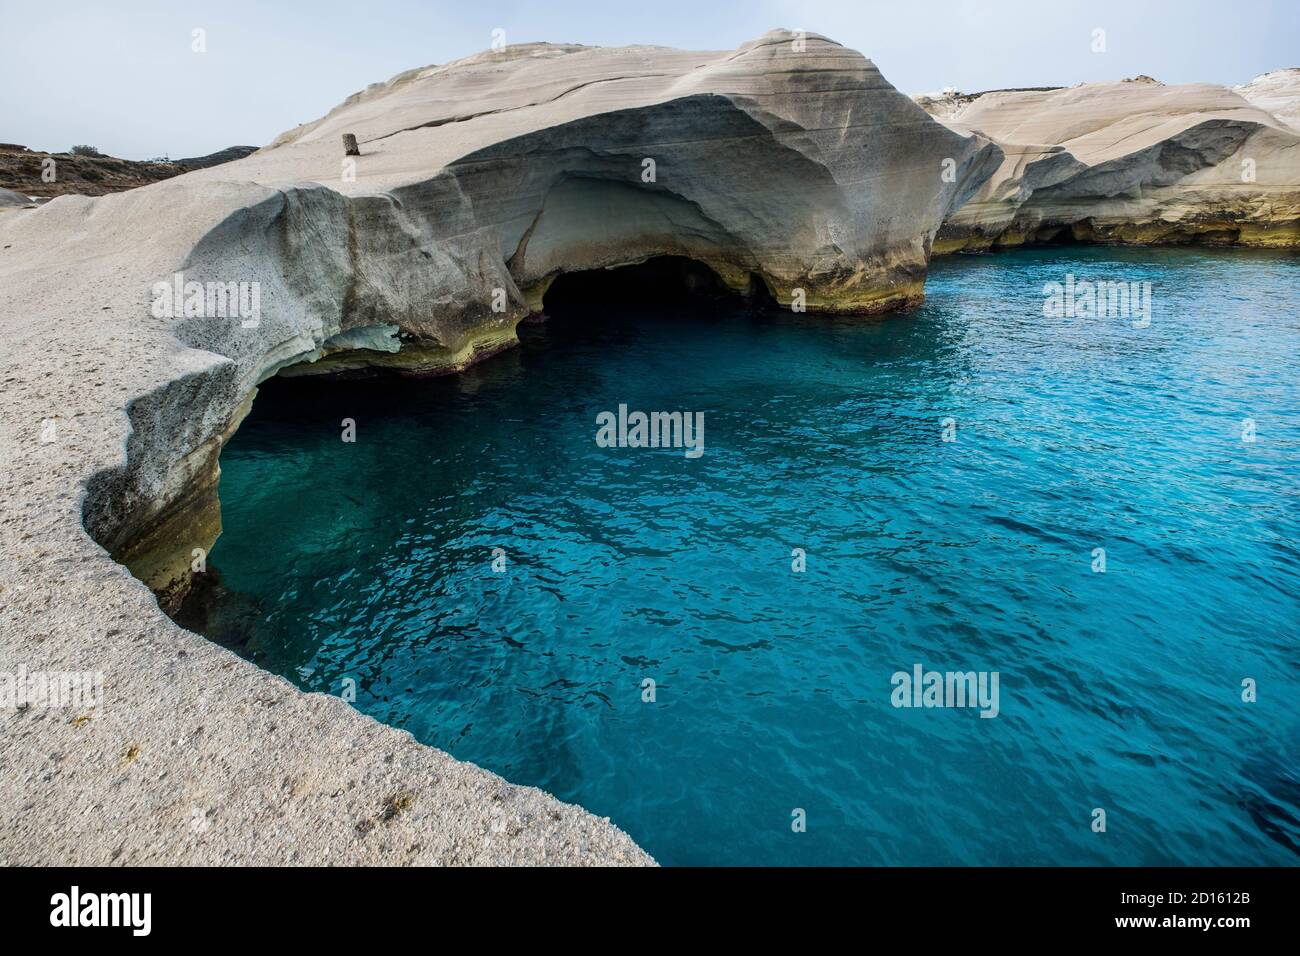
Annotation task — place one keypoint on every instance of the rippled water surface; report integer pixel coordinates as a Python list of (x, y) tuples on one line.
[(1119, 690)]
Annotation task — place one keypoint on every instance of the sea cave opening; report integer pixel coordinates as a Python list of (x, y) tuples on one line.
[(659, 281)]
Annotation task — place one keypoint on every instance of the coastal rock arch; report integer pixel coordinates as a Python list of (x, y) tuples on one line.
[(658, 280), (478, 187)]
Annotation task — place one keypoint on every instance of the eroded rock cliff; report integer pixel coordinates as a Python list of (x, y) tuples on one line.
[(1277, 92), (1130, 162), (789, 164)]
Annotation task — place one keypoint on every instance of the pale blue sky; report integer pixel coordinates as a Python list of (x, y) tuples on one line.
[(121, 75)]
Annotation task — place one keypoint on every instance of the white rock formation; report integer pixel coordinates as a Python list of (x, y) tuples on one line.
[(1277, 92), (799, 168), (789, 163), (1134, 161)]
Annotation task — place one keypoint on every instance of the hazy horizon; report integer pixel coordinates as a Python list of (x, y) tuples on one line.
[(130, 84)]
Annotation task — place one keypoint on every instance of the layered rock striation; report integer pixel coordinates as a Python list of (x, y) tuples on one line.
[(135, 327), (790, 166), (1131, 162), (1277, 93)]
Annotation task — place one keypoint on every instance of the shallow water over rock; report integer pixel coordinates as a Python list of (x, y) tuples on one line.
[(371, 565)]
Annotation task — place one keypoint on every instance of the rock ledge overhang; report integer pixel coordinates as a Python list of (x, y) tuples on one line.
[(803, 170)]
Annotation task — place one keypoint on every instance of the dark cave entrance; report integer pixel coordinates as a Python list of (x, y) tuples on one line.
[(661, 281)]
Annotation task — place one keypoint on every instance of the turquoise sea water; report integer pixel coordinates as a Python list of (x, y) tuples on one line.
[(1119, 690)]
